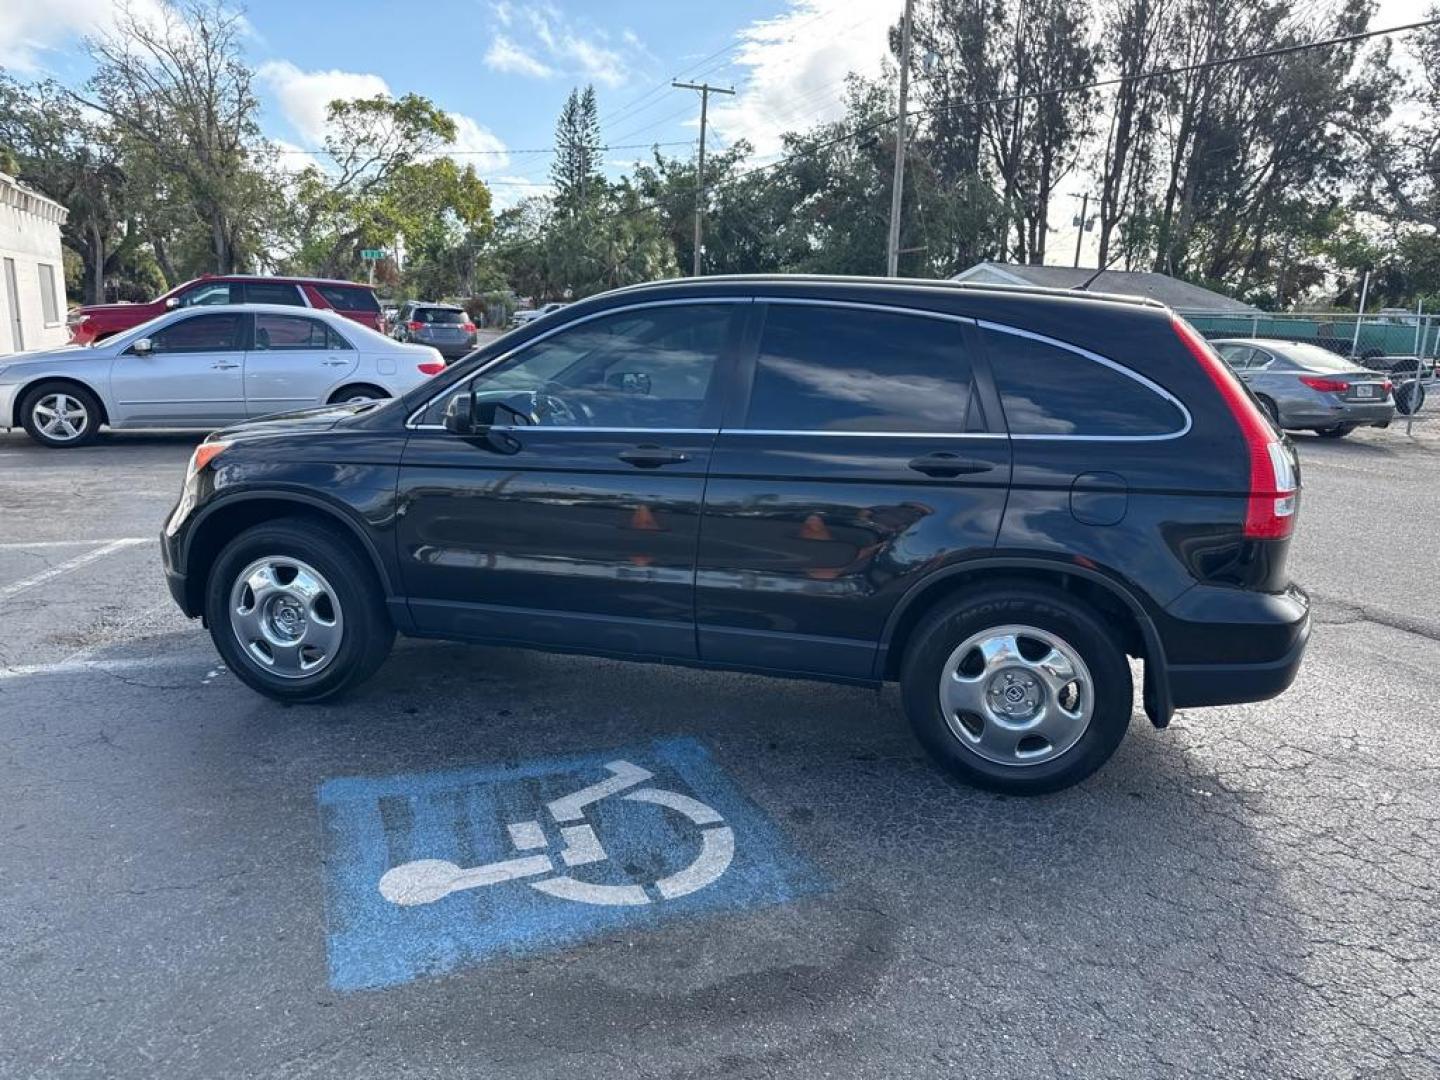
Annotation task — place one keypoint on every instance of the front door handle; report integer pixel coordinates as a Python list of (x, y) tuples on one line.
[(945, 464), (221, 365), (651, 457)]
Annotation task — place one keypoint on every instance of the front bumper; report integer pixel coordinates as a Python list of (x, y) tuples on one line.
[(1225, 646)]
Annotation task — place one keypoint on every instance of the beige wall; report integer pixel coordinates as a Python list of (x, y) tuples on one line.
[(30, 241)]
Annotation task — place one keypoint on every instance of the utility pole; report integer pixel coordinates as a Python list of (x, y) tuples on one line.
[(1080, 230), (897, 184), (705, 91)]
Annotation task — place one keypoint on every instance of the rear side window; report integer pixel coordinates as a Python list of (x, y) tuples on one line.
[(349, 297), (289, 332), (823, 368), (270, 293), (1050, 390)]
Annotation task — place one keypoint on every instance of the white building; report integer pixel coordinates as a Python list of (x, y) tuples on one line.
[(32, 274)]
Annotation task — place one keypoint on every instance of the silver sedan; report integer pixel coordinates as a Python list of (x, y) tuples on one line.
[(1305, 387), (204, 367)]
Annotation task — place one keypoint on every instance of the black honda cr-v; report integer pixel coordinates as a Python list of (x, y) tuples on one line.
[(992, 496)]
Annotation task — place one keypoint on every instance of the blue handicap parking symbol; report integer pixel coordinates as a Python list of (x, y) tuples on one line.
[(427, 872)]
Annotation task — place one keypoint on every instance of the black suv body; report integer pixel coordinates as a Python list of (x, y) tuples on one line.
[(990, 495)]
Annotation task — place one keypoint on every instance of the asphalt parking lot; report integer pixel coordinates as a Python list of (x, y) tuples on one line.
[(1252, 892)]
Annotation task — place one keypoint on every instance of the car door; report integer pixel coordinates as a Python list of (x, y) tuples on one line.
[(580, 529), (191, 376), (293, 362), (861, 458)]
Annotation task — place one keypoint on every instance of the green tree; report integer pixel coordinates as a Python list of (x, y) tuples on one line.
[(575, 170)]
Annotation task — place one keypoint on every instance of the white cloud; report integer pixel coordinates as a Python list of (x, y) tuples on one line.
[(554, 44), (29, 29), (294, 159), (795, 66), (504, 55), (477, 145), (305, 96)]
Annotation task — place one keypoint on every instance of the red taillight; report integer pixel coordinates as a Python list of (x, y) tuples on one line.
[(1270, 509), (414, 325), (1324, 385), (468, 327), (1385, 387), (431, 367)]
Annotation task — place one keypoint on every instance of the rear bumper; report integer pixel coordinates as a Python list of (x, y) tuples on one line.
[(1225, 646), (1377, 414)]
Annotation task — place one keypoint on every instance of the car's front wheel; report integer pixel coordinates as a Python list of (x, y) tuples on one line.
[(1016, 688), (60, 415), (296, 612)]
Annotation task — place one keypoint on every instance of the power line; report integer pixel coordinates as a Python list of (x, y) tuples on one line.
[(537, 150)]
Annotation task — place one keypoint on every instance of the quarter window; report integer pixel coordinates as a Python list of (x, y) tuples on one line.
[(277, 332), (349, 298), (203, 333), (1049, 390), (823, 368), (651, 368)]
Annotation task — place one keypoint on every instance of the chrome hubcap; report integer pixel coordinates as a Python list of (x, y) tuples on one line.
[(286, 616), (1016, 695), (61, 417)]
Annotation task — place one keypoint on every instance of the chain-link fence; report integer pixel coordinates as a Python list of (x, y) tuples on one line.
[(1405, 346)]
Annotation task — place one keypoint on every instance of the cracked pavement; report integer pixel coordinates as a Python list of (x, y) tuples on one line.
[(1253, 892)]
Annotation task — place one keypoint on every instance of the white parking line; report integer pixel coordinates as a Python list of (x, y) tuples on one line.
[(65, 567), (26, 545), (71, 667)]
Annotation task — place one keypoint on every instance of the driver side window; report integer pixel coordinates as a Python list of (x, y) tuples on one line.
[(648, 368)]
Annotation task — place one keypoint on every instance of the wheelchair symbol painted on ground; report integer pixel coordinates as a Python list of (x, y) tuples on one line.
[(424, 881)]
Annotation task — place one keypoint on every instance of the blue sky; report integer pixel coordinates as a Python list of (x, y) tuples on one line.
[(504, 67)]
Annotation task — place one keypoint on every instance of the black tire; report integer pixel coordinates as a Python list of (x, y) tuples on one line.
[(1271, 409), (72, 392), (366, 633), (358, 390), (1018, 603), (1339, 431)]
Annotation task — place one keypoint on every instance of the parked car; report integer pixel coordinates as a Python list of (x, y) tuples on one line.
[(988, 495), (445, 327), (1303, 386), (204, 367), (526, 316), (96, 322)]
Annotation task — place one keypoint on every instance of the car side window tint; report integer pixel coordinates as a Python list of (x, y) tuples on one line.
[(276, 332), (647, 368), (823, 368), (203, 333), (1049, 390), (206, 295), (271, 293)]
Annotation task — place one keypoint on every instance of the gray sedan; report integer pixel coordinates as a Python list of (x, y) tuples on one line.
[(1303, 386), (205, 367)]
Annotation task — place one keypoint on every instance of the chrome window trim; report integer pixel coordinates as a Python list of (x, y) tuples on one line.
[(1149, 384), (870, 434), (413, 424)]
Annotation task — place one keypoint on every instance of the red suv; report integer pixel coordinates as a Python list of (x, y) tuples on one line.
[(98, 321)]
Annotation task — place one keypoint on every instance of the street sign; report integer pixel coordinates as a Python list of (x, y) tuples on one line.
[(372, 254)]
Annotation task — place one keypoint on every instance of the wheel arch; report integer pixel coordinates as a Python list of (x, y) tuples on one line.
[(1114, 602), (351, 385), (15, 419), (226, 517)]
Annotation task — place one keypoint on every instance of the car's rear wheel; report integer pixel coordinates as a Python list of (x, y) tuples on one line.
[(1017, 689), (295, 610), (356, 394), (60, 415)]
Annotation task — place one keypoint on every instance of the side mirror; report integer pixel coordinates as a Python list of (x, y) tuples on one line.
[(171, 303), (471, 416), (143, 347)]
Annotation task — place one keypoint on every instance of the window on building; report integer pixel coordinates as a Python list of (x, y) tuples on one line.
[(49, 298)]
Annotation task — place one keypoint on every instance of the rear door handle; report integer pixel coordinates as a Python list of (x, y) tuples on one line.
[(945, 464), (332, 362), (221, 365), (651, 457)]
